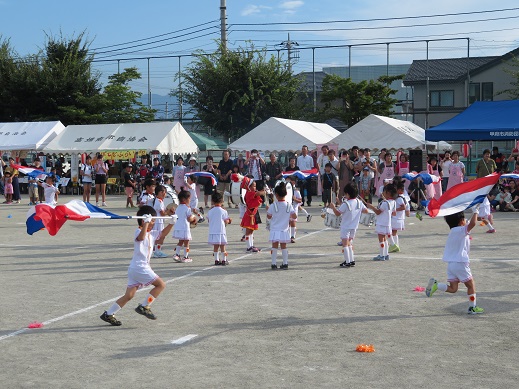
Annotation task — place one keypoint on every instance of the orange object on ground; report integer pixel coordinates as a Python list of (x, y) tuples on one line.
[(365, 348)]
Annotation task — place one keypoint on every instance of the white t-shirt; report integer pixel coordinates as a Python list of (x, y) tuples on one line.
[(280, 211), (159, 208), (183, 212), (146, 198), (445, 165), (457, 247), (87, 169), (216, 218), (193, 199), (305, 163), (50, 193), (484, 209), (142, 249), (387, 207), (400, 215), (351, 211), (322, 161), (296, 206)]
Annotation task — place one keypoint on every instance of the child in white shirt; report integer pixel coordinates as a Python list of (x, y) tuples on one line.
[(50, 190), (217, 217), (158, 204), (279, 214), (485, 214), (148, 194), (182, 230), (193, 202), (398, 221), (351, 210), (456, 255)]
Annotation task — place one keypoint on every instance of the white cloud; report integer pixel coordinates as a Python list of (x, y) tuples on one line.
[(252, 9), (291, 5)]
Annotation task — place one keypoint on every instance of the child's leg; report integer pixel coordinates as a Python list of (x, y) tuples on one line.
[(121, 302), (216, 254), (274, 253), (345, 251), (284, 253), (383, 243), (349, 246), (292, 229), (249, 238), (303, 210), (223, 254), (186, 248), (159, 286), (471, 291), (179, 247)]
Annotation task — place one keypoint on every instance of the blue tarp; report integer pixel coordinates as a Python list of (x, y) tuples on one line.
[(483, 120)]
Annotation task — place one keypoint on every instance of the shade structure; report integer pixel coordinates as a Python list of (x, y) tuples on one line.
[(377, 132), (205, 142), (277, 134), (483, 120), (165, 137), (28, 135)]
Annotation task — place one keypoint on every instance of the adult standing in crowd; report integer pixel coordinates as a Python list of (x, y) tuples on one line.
[(101, 171), (498, 158), (386, 170), (273, 171), (346, 172), (256, 167), (142, 172), (292, 167), (16, 183), (179, 171), (157, 171), (305, 162), (323, 159), (357, 164), (209, 188), (240, 162), (445, 164), (486, 165), (86, 171), (403, 167), (192, 167), (225, 168), (456, 170)]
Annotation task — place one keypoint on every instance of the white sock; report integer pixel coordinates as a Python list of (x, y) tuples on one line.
[(350, 249), (442, 286), (490, 226), (396, 239), (113, 309), (346, 254), (381, 249), (292, 232), (391, 239), (186, 251), (248, 239), (216, 256), (472, 300), (274, 254), (251, 240), (177, 250), (148, 300), (386, 248), (304, 211), (284, 253)]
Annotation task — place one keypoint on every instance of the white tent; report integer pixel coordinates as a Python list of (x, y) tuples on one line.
[(28, 135), (377, 132), (277, 134), (166, 137)]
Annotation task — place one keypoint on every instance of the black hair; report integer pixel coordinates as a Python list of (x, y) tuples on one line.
[(193, 178), (355, 148), (328, 165), (183, 195), (351, 190), (281, 189), (159, 188), (235, 167), (400, 185), (217, 197), (254, 151), (486, 151), (397, 180), (391, 189), (145, 210), (149, 182), (209, 158), (454, 219)]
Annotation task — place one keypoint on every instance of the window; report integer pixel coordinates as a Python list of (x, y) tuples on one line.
[(474, 92), (487, 91), (442, 98)]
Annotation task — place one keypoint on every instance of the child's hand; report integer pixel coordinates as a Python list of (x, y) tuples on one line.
[(229, 221)]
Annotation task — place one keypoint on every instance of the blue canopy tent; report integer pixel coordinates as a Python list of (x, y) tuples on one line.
[(483, 120)]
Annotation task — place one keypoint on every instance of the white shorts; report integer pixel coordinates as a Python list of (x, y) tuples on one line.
[(397, 224), (383, 230), (348, 234), (217, 239), (141, 277), (458, 272), (279, 236), (182, 234)]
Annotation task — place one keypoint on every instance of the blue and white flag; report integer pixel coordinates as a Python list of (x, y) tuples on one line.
[(426, 177)]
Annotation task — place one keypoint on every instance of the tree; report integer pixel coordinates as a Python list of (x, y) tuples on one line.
[(234, 91), (513, 70), (351, 102), (121, 104)]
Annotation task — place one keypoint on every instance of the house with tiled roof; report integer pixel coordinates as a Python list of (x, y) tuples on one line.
[(442, 88)]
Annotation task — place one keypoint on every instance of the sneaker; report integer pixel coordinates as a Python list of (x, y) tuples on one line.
[(379, 258), (292, 240), (162, 254), (308, 218), (225, 262), (155, 254), (255, 250), (242, 239), (345, 264), (103, 204), (249, 249), (339, 243), (273, 267), (217, 263), (97, 203), (201, 219), (432, 287), (352, 263), (386, 258), (186, 260), (394, 248), (145, 311), (177, 258), (475, 310), (491, 231), (30, 204), (201, 210), (110, 319), (418, 216), (309, 204), (284, 266)]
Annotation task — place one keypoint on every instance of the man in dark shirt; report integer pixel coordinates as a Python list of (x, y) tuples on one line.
[(273, 171), (225, 169), (498, 158)]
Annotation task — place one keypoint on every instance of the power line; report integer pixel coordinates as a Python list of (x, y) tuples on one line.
[(375, 19)]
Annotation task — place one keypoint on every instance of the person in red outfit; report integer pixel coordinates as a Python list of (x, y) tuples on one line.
[(253, 200)]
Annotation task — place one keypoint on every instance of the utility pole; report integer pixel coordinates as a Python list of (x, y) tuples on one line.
[(223, 24), (292, 54)]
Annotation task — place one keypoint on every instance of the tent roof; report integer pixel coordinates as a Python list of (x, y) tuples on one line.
[(205, 142), (377, 132), (277, 134), (483, 120), (166, 137), (28, 135)]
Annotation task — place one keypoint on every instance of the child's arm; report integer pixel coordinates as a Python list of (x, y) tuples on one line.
[(474, 218), (372, 207), (144, 228), (335, 210)]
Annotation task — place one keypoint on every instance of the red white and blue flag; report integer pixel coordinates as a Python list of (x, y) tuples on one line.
[(426, 177), (463, 196), (302, 174), (211, 176), (30, 171), (52, 217)]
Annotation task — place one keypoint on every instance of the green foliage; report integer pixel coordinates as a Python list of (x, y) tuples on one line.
[(513, 70), (351, 102), (234, 91)]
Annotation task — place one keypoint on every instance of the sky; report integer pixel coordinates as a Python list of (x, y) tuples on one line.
[(178, 28)]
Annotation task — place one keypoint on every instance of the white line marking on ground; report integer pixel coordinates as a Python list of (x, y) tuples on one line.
[(183, 339), (106, 302)]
